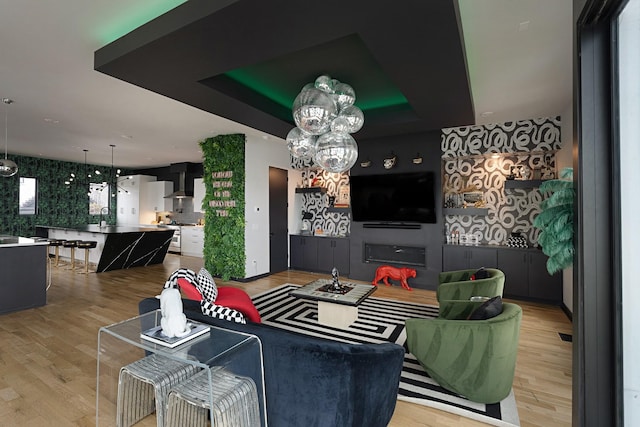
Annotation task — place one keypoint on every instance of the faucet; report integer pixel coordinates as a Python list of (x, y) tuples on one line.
[(101, 212)]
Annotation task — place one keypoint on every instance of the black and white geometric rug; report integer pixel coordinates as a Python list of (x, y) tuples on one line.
[(382, 320)]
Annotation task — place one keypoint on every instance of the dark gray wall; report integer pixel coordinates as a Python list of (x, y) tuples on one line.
[(429, 236)]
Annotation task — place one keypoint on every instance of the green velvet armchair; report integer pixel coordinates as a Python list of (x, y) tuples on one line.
[(473, 358), (455, 289)]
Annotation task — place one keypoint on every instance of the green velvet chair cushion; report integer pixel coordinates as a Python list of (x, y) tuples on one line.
[(455, 285), (474, 358)]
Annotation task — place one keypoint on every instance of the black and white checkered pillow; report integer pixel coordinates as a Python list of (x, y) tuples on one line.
[(206, 286), (189, 275), (220, 312)]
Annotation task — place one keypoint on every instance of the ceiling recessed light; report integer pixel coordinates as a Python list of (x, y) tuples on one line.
[(524, 25), (49, 120), (486, 114), (123, 136)]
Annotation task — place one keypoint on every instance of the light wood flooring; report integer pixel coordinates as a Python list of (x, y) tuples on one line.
[(48, 354)]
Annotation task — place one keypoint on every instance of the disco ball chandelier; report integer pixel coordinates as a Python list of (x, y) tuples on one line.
[(325, 117)]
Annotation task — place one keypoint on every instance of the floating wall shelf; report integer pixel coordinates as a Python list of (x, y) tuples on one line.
[(320, 190), (522, 183), (466, 211), (339, 210)]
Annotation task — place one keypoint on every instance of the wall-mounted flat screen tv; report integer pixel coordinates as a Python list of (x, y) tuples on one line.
[(397, 198)]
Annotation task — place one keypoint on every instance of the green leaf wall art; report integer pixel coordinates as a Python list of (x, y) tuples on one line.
[(224, 179), (555, 221)]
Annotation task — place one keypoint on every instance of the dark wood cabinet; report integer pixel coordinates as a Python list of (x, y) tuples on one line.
[(321, 254), (460, 257), (303, 253), (333, 253), (526, 275)]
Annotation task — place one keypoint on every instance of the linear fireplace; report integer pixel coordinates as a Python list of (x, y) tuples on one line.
[(395, 254)]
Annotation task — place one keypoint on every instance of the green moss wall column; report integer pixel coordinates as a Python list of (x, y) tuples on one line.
[(224, 178)]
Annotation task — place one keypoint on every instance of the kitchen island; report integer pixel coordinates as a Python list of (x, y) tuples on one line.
[(118, 246), (23, 263)]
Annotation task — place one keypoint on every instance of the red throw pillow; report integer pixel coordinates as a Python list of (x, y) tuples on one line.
[(189, 290), (238, 300)]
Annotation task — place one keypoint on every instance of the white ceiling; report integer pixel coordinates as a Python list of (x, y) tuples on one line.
[(63, 106)]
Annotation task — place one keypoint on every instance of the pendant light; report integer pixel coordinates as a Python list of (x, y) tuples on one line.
[(7, 167)]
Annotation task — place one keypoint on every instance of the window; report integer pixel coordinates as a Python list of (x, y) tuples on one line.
[(28, 196), (628, 61), (98, 197)]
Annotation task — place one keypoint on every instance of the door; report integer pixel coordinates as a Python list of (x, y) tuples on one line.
[(278, 232)]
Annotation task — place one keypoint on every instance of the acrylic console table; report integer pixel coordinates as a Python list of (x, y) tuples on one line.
[(233, 353)]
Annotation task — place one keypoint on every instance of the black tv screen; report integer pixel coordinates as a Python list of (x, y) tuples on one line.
[(402, 197)]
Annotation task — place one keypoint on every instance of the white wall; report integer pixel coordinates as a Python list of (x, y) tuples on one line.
[(260, 153), (564, 159)]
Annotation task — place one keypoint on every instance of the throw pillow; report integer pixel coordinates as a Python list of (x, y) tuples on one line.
[(189, 290), (480, 274), (488, 309), (206, 285), (172, 281), (220, 312)]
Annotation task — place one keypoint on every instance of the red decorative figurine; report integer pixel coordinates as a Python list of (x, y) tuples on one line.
[(386, 272)]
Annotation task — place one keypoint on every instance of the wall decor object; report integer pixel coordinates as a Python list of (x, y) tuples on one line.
[(325, 117), (224, 179), (390, 162)]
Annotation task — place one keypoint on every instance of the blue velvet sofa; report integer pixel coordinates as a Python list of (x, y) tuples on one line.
[(318, 382)]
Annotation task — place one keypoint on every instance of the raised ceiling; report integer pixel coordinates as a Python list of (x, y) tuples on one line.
[(246, 60), (518, 61)]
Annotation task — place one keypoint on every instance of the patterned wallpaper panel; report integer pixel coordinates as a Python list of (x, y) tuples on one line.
[(57, 204), (333, 223), (510, 137), (466, 167)]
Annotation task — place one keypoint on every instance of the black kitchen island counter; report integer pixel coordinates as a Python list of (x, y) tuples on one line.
[(118, 247), (109, 229)]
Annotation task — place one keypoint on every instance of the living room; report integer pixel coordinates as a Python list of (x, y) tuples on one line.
[(587, 285)]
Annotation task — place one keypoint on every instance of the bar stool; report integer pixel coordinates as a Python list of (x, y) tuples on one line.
[(143, 387), (56, 243), (72, 244), (235, 401), (86, 245)]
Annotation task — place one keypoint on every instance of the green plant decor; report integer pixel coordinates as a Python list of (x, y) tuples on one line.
[(224, 205), (556, 221)]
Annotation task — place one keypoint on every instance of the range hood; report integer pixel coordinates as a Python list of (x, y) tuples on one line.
[(181, 193)]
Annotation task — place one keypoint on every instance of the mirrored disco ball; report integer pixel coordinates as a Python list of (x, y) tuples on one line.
[(301, 144), (313, 111), (340, 124), (8, 168), (325, 83), (344, 95), (354, 116), (336, 152)]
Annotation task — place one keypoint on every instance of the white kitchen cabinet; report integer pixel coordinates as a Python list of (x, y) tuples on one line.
[(155, 192), (199, 192), (132, 202), (192, 241)]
